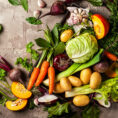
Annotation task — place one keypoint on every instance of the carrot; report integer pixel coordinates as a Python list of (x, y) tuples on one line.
[(110, 56), (36, 71), (43, 72), (51, 76), (33, 78)]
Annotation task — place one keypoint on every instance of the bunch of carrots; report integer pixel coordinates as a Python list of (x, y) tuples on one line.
[(38, 75)]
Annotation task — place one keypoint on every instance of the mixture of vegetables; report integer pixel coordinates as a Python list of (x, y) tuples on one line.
[(75, 67)]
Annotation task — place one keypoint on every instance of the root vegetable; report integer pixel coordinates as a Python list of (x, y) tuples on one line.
[(85, 75), (95, 80), (81, 100), (75, 81), (58, 88), (65, 84)]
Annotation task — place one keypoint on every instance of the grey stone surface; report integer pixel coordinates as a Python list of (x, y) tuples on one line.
[(17, 33)]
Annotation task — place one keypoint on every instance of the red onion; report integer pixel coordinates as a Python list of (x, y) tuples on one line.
[(57, 8), (69, 1)]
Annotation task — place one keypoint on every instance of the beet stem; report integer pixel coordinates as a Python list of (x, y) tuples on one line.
[(5, 61), (5, 67), (44, 15)]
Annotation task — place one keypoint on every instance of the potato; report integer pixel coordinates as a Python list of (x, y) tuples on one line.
[(81, 100), (85, 75), (95, 80), (66, 35), (58, 88), (65, 84), (75, 81)]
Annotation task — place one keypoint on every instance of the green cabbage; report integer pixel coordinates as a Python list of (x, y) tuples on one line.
[(82, 48)]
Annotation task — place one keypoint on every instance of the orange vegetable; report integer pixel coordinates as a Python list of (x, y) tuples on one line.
[(33, 78), (51, 76), (43, 72), (110, 56), (20, 91), (101, 25), (111, 71), (17, 105)]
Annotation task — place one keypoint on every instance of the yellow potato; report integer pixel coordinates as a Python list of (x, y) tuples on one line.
[(58, 88), (75, 81), (85, 75), (95, 80), (66, 35), (81, 100), (65, 84)]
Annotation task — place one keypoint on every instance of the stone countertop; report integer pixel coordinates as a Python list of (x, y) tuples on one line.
[(17, 33)]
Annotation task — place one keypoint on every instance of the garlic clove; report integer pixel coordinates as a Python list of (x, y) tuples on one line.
[(41, 3), (85, 16), (80, 10), (83, 12), (75, 11), (36, 13)]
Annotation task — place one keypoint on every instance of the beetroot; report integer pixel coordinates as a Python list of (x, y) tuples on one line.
[(57, 8), (61, 62)]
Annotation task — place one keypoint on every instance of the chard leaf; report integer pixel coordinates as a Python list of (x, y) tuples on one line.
[(14, 2), (42, 43), (33, 20), (60, 48), (96, 2), (24, 4), (58, 109), (91, 112)]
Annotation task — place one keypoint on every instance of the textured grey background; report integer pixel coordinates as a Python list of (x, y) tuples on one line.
[(17, 33)]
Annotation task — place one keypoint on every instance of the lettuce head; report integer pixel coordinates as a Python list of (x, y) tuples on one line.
[(82, 48)]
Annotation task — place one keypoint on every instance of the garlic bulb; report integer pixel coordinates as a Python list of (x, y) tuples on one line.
[(77, 15), (41, 3), (36, 13)]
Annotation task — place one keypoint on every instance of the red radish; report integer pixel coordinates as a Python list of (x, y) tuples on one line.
[(61, 62), (57, 8)]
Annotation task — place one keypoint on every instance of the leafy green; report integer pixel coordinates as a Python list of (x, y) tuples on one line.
[(48, 36), (58, 109), (82, 48), (60, 48), (2, 74), (108, 88), (65, 27), (31, 104), (34, 53), (33, 20), (1, 28), (110, 42), (96, 2), (55, 33), (15, 2), (91, 111), (24, 3), (42, 43), (25, 63)]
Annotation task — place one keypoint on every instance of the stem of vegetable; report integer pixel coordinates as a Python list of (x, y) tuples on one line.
[(67, 72), (5, 90), (5, 84), (49, 55), (42, 58), (93, 61), (9, 98)]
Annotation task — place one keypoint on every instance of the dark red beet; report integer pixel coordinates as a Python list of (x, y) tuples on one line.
[(69, 1), (57, 8), (61, 62)]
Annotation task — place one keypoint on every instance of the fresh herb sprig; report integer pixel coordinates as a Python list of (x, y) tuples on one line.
[(33, 20)]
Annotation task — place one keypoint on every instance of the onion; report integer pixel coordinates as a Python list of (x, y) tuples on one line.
[(47, 99), (41, 3)]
